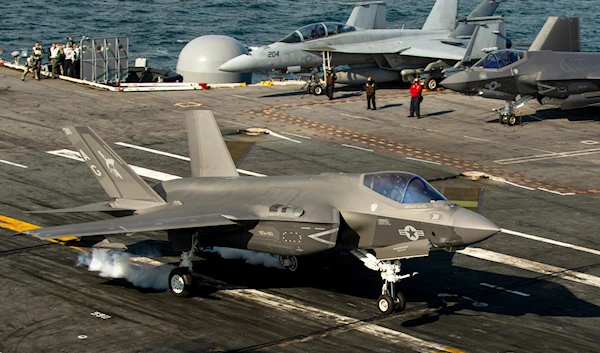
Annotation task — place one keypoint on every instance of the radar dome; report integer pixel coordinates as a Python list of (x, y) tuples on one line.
[(200, 59)]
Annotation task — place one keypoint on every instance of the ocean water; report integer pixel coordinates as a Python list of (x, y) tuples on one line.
[(159, 29)]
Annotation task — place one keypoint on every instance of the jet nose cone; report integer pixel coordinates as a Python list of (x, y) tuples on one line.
[(241, 63), (456, 82), (472, 227)]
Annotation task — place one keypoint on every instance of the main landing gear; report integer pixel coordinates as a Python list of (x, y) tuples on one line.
[(289, 262), (181, 280), (390, 300)]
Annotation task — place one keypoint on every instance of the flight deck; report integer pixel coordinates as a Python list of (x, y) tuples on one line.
[(532, 288)]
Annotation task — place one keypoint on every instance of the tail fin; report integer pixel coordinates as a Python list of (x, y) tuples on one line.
[(368, 15), (558, 34), (484, 9), (488, 36), (442, 16), (208, 153), (116, 177)]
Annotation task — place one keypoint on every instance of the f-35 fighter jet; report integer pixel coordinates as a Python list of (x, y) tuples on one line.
[(370, 50), (553, 71), (380, 218)]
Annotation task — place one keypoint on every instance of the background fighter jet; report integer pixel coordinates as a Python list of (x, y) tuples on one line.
[(380, 217), (370, 50), (553, 71)]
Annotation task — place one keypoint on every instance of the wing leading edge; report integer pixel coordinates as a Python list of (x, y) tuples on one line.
[(161, 220)]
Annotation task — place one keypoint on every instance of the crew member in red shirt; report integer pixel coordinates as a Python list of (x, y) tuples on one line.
[(416, 97)]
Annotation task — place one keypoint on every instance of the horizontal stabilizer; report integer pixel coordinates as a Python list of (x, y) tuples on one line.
[(558, 34), (209, 155), (442, 16), (115, 176), (368, 15), (163, 220)]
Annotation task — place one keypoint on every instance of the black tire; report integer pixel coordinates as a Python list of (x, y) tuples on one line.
[(503, 119), (293, 267), (400, 302), (181, 282), (431, 83), (385, 304), (311, 89), (318, 90), (512, 120)]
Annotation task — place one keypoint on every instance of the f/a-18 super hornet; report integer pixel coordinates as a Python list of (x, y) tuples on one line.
[(367, 49), (380, 218), (553, 71)]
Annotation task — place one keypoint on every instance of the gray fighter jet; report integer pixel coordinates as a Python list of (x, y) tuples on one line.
[(553, 71), (380, 217), (370, 50)]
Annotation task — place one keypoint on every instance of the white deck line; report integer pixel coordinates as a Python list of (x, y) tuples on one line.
[(505, 290), (557, 193), (274, 134), (533, 266), (356, 117), (478, 139), (356, 147), (422, 160), (178, 156), (301, 136), (541, 157), (13, 164), (550, 241)]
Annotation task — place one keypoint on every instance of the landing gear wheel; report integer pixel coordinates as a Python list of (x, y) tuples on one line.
[(431, 83), (512, 120), (289, 262), (386, 304), (181, 282), (318, 90), (503, 119), (310, 90), (400, 302)]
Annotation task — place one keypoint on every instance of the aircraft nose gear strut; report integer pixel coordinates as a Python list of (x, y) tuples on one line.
[(390, 299), (181, 280), (507, 115)]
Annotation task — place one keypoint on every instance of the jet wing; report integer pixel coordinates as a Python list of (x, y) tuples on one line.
[(423, 48), (160, 220)]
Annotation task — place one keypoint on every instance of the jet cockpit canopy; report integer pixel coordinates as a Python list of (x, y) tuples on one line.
[(317, 30), (500, 59), (402, 187)]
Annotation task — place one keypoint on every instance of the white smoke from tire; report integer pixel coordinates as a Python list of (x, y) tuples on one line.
[(118, 264), (250, 257)]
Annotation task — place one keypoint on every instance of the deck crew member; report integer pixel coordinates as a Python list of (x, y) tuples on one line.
[(29, 66), (330, 79), (416, 97), (370, 88)]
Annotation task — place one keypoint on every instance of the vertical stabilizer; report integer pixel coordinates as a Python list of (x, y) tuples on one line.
[(442, 16), (484, 9), (489, 36), (558, 34), (116, 177), (208, 153), (368, 15)]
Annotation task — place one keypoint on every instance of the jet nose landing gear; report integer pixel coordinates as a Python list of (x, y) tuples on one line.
[(390, 300)]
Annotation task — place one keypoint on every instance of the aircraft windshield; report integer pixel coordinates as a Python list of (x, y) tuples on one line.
[(317, 30), (402, 187), (500, 59)]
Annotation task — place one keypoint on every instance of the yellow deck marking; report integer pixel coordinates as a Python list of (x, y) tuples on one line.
[(20, 226)]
